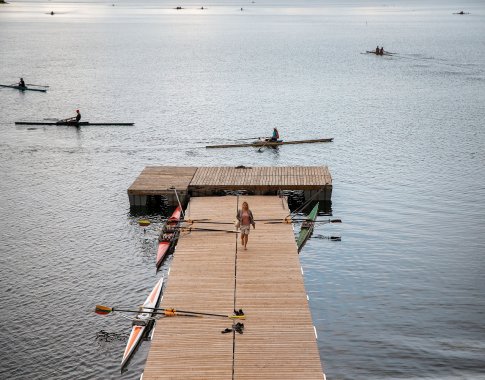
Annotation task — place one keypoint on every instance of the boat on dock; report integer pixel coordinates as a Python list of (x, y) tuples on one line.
[(307, 228), (21, 88), (268, 143), (168, 236), (70, 123), (143, 323)]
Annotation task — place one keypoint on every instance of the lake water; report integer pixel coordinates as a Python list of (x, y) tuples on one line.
[(400, 297)]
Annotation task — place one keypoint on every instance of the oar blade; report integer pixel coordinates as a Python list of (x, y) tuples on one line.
[(237, 316), (103, 310)]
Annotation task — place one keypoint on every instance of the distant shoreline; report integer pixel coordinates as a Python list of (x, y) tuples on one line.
[(3, 2)]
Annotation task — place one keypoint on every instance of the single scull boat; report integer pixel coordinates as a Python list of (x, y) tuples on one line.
[(168, 236), (68, 123), (143, 323), (23, 88), (307, 228), (261, 143)]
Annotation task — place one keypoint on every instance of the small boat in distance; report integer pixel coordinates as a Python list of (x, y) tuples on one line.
[(379, 54), (21, 88), (168, 236), (269, 143), (307, 228), (142, 324), (68, 123)]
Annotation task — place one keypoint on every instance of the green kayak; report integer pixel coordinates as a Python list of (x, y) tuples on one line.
[(307, 228)]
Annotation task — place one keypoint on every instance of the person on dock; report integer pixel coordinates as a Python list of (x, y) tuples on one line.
[(22, 83), (275, 136), (245, 219)]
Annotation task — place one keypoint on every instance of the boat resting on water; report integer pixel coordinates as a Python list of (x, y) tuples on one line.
[(307, 228), (142, 323), (168, 236), (374, 52), (21, 88), (268, 143), (68, 123)]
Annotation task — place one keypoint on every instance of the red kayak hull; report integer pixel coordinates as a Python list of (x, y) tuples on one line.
[(167, 239)]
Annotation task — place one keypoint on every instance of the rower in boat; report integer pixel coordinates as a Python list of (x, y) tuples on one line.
[(377, 50), (22, 83), (275, 136), (381, 52), (75, 119)]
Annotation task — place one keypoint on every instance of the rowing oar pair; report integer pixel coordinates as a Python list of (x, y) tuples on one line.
[(267, 221), (192, 221), (289, 220), (198, 229), (146, 222), (168, 312)]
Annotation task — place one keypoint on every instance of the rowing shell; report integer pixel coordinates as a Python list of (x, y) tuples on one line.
[(373, 52), (67, 123), (23, 88), (142, 323), (271, 143), (307, 228), (168, 236)]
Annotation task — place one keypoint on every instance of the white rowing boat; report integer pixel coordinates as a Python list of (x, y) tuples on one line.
[(142, 323)]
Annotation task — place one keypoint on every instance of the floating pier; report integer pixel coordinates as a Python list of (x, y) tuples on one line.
[(165, 181), (211, 272)]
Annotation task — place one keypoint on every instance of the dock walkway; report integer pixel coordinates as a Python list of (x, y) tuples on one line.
[(210, 272), (315, 181)]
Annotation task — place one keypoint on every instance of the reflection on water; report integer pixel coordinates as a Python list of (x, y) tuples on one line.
[(400, 296)]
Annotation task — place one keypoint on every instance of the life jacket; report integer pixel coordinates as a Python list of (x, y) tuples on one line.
[(276, 134)]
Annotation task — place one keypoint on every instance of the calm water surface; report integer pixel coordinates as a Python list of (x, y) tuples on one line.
[(400, 297)]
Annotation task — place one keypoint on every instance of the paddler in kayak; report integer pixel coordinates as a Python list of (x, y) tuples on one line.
[(22, 83)]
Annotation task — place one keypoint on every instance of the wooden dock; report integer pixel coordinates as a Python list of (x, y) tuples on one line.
[(210, 272), (163, 181)]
